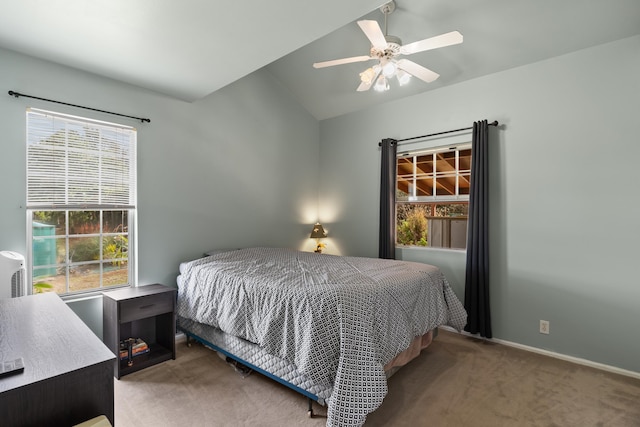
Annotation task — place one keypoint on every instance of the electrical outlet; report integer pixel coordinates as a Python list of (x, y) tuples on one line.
[(544, 327)]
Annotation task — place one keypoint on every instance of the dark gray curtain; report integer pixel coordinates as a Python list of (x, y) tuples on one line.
[(476, 295), (387, 233)]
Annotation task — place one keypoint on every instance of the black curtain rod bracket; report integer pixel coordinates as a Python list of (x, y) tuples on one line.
[(493, 123), (18, 94)]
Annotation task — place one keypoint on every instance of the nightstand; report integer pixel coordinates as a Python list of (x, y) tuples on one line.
[(146, 312)]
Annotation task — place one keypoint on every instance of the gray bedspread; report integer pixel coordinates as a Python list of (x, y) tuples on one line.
[(337, 319)]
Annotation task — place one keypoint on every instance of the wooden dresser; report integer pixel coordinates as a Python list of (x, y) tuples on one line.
[(68, 371)]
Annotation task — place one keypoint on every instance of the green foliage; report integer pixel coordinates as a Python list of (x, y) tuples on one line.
[(88, 249), (115, 248), (412, 219), (413, 229), (84, 249), (42, 287), (83, 222), (452, 209)]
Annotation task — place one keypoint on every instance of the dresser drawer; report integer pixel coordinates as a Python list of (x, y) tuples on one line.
[(150, 305)]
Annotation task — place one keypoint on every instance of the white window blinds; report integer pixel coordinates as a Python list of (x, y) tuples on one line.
[(79, 163)]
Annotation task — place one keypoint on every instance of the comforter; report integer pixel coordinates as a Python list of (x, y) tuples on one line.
[(338, 319)]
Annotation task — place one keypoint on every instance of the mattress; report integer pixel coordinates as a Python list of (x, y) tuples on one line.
[(337, 320)]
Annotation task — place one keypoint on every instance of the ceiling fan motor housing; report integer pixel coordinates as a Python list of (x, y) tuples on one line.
[(391, 50)]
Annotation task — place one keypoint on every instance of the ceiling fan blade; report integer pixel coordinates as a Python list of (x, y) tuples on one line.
[(341, 61), (364, 86), (436, 42), (374, 33), (419, 71)]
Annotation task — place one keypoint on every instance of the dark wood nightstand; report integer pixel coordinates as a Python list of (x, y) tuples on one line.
[(146, 312)]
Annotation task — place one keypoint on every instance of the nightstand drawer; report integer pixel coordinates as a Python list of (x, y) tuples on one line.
[(140, 308)]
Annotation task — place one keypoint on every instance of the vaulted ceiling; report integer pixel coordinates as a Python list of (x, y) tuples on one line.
[(192, 48)]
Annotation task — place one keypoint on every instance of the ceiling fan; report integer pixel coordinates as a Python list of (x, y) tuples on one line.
[(387, 49)]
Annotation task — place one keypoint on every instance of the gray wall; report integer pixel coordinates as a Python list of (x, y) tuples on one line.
[(564, 202), (238, 168)]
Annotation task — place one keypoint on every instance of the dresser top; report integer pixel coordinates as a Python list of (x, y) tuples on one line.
[(49, 336)]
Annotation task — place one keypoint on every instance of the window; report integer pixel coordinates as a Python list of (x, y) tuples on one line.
[(432, 197), (81, 203)]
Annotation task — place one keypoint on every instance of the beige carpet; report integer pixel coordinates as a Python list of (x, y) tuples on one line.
[(457, 381)]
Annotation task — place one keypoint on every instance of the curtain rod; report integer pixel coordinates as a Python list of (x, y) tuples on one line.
[(18, 94), (493, 123)]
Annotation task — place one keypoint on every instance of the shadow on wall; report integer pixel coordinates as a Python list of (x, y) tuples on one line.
[(451, 262), (90, 311)]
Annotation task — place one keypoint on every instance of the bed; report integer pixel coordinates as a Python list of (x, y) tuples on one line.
[(330, 327)]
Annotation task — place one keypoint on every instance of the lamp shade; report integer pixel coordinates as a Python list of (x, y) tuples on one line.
[(318, 232)]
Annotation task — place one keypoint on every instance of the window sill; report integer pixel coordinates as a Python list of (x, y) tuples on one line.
[(89, 294), (430, 249)]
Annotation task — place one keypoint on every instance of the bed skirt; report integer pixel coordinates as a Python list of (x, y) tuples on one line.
[(253, 356)]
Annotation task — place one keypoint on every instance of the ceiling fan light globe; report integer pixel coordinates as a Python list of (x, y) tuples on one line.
[(367, 75), (389, 69), (381, 84), (403, 77)]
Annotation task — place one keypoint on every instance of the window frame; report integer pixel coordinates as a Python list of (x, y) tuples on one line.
[(434, 198), (104, 182)]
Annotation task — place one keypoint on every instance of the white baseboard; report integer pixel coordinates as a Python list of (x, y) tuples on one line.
[(180, 337), (608, 368), (572, 359)]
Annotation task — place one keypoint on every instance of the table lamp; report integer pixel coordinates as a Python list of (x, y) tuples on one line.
[(318, 233)]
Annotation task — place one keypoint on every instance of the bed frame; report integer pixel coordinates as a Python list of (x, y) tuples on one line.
[(209, 336)]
